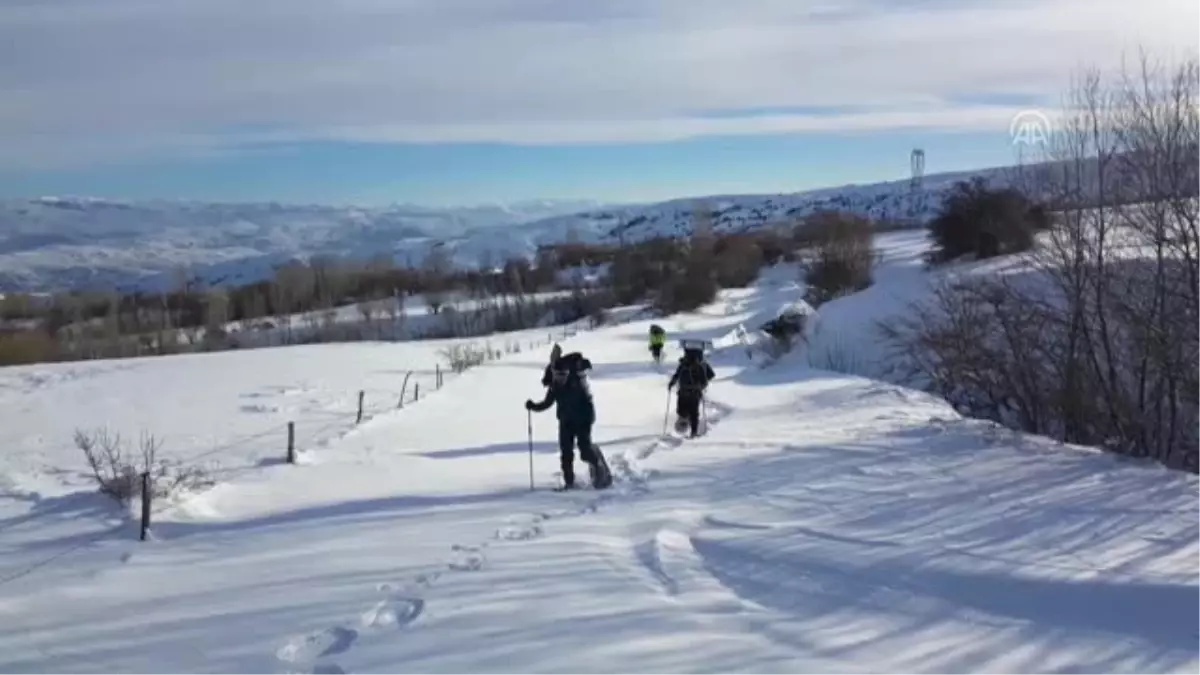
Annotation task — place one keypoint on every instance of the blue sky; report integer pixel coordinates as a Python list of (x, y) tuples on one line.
[(446, 102), (453, 174)]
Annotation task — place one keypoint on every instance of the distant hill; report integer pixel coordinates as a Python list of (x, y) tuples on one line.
[(56, 243)]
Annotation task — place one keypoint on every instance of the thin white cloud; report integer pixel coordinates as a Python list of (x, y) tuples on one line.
[(974, 118), (86, 81)]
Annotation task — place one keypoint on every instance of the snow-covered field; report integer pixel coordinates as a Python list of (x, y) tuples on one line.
[(825, 522)]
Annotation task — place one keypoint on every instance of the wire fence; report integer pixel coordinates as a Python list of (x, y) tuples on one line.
[(285, 443)]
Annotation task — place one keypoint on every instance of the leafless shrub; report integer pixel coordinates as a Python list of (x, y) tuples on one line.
[(462, 357), (1100, 346), (739, 259), (118, 471), (979, 345), (835, 355), (841, 256), (694, 281)]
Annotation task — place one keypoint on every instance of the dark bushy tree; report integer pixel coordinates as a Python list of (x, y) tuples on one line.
[(985, 222), (841, 254)]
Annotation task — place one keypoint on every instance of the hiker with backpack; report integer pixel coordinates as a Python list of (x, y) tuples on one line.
[(658, 339), (567, 389), (692, 376)]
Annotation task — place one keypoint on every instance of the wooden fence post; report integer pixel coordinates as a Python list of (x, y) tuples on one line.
[(403, 389), (361, 394), (146, 498), (437, 371), (416, 391), (291, 446)]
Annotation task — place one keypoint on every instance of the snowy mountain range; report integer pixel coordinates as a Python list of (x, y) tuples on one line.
[(54, 243)]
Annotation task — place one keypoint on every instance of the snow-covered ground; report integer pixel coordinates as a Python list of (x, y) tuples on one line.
[(825, 522)]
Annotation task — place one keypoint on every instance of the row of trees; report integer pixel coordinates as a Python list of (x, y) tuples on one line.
[(83, 325), (663, 266), (297, 303)]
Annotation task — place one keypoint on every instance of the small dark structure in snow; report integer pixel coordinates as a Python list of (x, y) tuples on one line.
[(792, 322)]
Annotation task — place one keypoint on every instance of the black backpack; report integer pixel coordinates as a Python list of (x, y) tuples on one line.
[(567, 365), (693, 371)]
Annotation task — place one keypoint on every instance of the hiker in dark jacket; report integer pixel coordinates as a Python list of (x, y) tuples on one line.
[(568, 390), (692, 376)]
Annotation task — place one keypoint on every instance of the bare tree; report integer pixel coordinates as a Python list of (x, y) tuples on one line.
[(293, 284), (112, 325), (436, 270), (1098, 342), (216, 316)]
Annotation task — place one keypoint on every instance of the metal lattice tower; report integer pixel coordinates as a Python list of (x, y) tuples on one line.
[(918, 168)]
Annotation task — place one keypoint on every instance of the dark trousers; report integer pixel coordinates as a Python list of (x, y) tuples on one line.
[(687, 405), (568, 437), (656, 351)]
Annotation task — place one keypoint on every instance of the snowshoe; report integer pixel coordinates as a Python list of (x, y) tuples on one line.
[(600, 473), (681, 425)]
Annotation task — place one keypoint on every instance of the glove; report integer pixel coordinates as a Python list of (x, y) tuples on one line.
[(528, 404)]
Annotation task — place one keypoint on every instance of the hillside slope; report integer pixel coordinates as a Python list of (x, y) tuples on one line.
[(824, 522), (50, 243), (74, 242)]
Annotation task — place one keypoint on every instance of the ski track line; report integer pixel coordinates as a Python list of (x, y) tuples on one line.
[(669, 558)]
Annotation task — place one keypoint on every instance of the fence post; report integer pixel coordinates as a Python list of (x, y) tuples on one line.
[(146, 498), (403, 389), (416, 392), (361, 393), (437, 371), (291, 446)]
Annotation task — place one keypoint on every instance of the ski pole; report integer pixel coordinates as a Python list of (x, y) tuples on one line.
[(667, 412), (529, 416)]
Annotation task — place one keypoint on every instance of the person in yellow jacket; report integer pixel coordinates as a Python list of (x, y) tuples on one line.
[(658, 339)]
